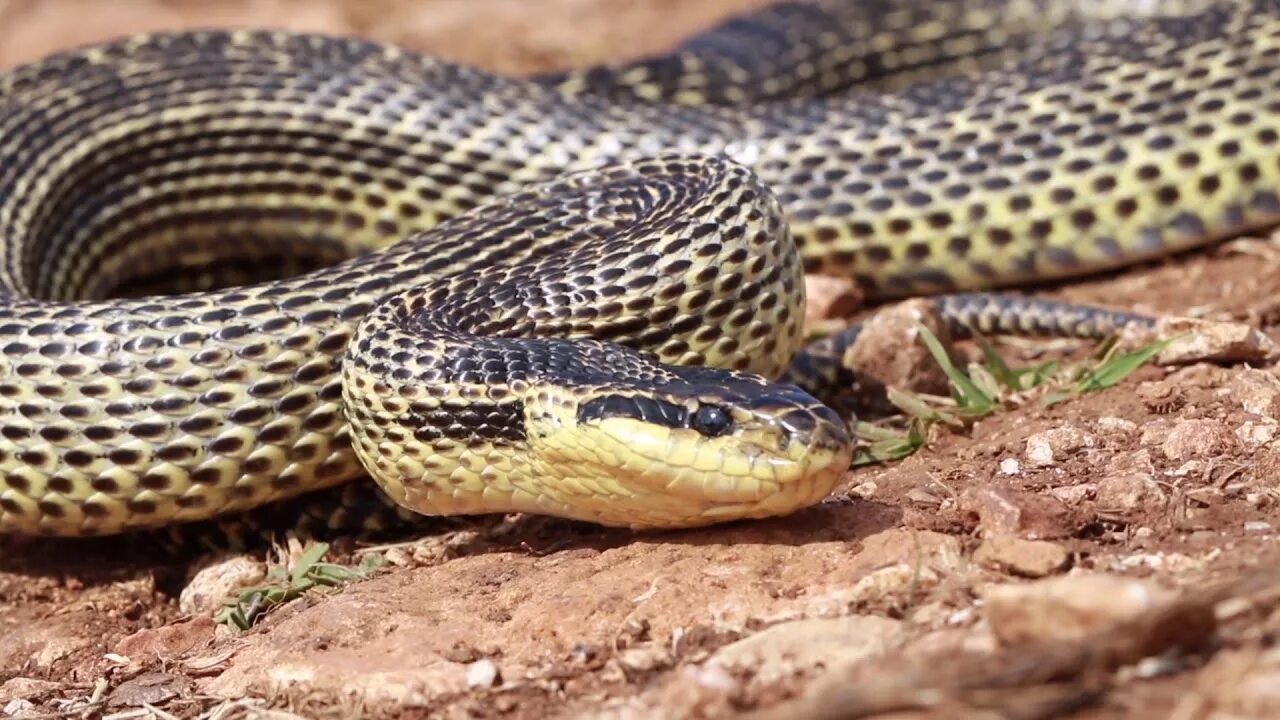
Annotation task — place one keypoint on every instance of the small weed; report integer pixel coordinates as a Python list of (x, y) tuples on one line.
[(284, 584), (986, 388), (881, 444)]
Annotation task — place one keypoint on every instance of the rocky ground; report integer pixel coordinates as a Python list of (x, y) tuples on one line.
[(1113, 555)]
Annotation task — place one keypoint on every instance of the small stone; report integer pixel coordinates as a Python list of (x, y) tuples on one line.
[(1028, 558), (889, 584), (153, 688), (1198, 439), (218, 580), (1057, 444), (1195, 341), (18, 707), (890, 353), (918, 548), (1257, 391), (646, 659), (1154, 432), (24, 688), (166, 641), (802, 646), (1256, 433), (828, 297), (865, 490), (1010, 466), (1138, 461), (483, 674), (1069, 607), (1109, 423), (1257, 526), (1130, 492), (1004, 511), (1073, 495)]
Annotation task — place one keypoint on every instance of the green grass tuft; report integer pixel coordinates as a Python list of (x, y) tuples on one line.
[(284, 584)]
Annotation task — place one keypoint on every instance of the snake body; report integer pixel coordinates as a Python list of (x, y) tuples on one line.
[(567, 296)]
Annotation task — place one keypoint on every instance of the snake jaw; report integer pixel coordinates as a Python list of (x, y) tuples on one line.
[(781, 455)]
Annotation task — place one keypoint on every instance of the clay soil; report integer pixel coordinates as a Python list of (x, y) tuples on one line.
[(1109, 556)]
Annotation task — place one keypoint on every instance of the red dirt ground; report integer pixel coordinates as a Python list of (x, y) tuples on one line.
[(1111, 556)]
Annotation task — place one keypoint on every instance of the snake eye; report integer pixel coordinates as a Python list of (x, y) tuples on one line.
[(711, 421)]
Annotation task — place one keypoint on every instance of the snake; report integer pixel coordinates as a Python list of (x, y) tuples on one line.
[(239, 267)]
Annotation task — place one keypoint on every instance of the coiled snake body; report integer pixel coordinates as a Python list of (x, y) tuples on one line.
[(545, 270)]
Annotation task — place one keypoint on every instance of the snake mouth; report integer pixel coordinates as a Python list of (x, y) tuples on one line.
[(743, 474)]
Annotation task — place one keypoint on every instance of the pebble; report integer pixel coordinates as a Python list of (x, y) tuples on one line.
[(215, 582), (1067, 607), (483, 674), (1051, 446), (802, 646), (1257, 391), (1028, 558), (1201, 438), (829, 297), (1131, 492), (1004, 511)]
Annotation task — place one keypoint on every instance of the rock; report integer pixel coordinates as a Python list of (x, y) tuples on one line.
[(919, 548), (1003, 511), (483, 674), (1074, 495), (1054, 445), (802, 646), (1129, 493), (893, 585), (150, 689), (1129, 484), (215, 582), (1108, 423), (1202, 438), (865, 490), (890, 353), (1068, 607), (1197, 340), (641, 660), (1155, 431), (1028, 558), (1137, 461), (18, 708), (167, 641), (25, 688), (828, 297), (1256, 434), (1010, 466), (1257, 391)]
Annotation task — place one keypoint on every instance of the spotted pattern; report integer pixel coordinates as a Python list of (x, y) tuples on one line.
[(699, 187)]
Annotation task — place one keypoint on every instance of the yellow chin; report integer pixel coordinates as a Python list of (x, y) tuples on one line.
[(625, 472)]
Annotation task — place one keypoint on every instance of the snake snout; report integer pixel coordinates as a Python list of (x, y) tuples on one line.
[(694, 454)]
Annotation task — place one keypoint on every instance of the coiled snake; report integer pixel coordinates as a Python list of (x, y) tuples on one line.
[(566, 294)]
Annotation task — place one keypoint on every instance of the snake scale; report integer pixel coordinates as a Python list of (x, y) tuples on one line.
[(566, 295)]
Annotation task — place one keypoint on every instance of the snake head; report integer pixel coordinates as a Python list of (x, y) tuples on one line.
[(611, 437), (698, 447)]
